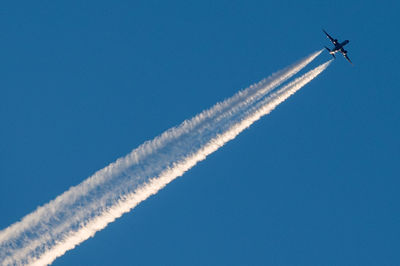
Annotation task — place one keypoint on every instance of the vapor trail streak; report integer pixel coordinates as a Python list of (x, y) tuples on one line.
[(80, 212)]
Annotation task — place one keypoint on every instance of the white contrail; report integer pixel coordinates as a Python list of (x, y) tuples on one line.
[(83, 210), (239, 100)]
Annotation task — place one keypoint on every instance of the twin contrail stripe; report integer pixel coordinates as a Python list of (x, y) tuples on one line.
[(80, 212)]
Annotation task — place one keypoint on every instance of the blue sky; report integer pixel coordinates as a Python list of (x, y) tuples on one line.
[(314, 183)]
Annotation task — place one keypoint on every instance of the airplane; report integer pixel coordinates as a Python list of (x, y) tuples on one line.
[(338, 47)]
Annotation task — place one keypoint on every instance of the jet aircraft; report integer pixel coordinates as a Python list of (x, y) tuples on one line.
[(338, 47)]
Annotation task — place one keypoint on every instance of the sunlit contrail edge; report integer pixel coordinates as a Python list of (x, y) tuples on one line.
[(226, 127), (219, 111)]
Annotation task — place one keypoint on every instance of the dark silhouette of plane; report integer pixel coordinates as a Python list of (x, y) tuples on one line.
[(338, 47)]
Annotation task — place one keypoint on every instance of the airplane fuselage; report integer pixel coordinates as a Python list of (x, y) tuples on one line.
[(338, 47)]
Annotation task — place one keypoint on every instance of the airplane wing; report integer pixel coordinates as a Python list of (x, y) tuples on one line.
[(348, 59), (330, 37), (344, 53)]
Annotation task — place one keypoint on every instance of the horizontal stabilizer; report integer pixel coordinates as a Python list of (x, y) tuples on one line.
[(330, 52)]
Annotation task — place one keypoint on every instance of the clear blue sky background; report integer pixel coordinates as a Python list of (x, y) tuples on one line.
[(314, 183)]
